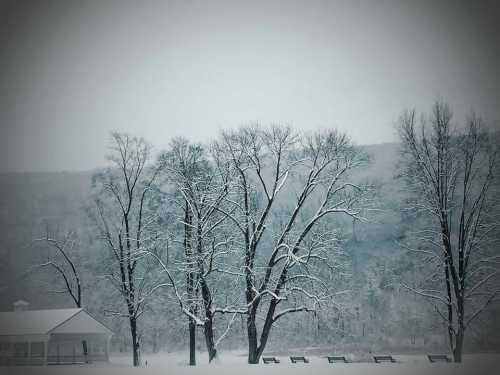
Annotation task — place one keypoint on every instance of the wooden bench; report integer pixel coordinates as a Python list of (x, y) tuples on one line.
[(299, 359), (438, 358), (334, 359), (383, 358), (267, 360)]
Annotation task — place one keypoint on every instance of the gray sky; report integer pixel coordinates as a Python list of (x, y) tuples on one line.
[(71, 71)]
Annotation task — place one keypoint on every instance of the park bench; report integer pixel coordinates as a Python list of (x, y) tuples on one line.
[(267, 360), (334, 359), (299, 359), (383, 358), (438, 358)]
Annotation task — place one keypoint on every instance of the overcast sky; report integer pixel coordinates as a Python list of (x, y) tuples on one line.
[(70, 72)]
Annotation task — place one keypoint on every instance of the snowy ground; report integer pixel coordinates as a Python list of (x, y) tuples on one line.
[(235, 363)]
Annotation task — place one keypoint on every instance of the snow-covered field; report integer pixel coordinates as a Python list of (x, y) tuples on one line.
[(234, 363)]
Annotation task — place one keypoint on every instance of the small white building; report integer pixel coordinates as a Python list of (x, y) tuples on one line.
[(39, 337)]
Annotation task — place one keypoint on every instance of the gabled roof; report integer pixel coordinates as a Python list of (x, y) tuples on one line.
[(37, 322)]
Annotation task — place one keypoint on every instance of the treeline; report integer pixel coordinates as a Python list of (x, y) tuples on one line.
[(247, 218), (270, 231)]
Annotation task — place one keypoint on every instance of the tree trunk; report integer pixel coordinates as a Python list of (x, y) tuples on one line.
[(192, 342), (135, 342), (208, 329), (252, 338), (254, 349), (457, 351), (209, 339), (190, 283), (459, 337), (266, 329)]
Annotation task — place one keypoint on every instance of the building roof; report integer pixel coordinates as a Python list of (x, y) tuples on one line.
[(42, 322)]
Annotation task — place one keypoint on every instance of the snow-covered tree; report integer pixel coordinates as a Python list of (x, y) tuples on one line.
[(200, 183), (280, 236), (127, 225), (453, 176)]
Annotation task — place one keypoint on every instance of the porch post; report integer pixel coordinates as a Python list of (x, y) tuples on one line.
[(106, 353), (45, 352), (29, 352)]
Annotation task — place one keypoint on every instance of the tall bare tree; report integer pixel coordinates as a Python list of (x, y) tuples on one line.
[(453, 177), (127, 224), (283, 243), (201, 185), (183, 161)]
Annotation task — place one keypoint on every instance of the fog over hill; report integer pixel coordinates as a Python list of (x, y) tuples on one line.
[(211, 176), (29, 202), (32, 202)]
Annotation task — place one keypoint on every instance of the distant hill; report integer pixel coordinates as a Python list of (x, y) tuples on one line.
[(30, 201)]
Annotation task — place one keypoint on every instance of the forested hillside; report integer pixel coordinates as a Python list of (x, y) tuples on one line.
[(376, 311)]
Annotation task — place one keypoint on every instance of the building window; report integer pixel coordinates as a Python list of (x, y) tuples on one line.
[(37, 349), (5, 349), (21, 349)]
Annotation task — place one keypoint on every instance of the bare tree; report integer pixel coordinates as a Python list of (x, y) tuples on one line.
[(280, 274), (65, 267), (452, 177), (127, 224), (63, 263), (183, 162), (201, 186)]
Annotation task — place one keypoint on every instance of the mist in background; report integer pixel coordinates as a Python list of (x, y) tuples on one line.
[(71, 71)]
